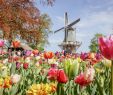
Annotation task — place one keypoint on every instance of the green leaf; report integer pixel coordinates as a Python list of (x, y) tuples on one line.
[(14, 89), (13, 68), (1, 91)]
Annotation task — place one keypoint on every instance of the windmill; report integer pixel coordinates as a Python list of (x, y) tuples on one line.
[(69, 43)]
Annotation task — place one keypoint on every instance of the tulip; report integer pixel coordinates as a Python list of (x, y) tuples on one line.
[(37, 58), (18, 65), (89, 74), (35, 52), (84, 56), (28, 53), (7, 82), (85, 78), (98, 56), (1, 43), (106, 48), (52, 74), (27, 59), (71, 67), (15, 78), (54, 65), (61, 76), (15, 58), (80, 79), (5, 61), (19, 53), (16, 44), (48, 55), (25, 65)]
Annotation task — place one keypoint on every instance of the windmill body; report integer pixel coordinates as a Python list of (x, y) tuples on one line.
[(69, 43)]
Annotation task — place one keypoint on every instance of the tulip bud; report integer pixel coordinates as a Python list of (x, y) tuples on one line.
[(71, 67), (35, 52), (28, 53), (18, 65), (61, 76), (16, 44), (25, 65)]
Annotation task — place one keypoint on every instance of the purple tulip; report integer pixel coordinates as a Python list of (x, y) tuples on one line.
[(28, 52), (98, 56), (18, 65), (84, 56), (1, 43)]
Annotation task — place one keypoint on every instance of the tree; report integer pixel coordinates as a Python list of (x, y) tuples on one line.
[(21, 18), (94, 43)]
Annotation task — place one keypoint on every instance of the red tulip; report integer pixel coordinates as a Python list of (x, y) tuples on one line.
[(48, 55), (106, 46), (80, 79), (25, 65), (52, 74), (16, 44), (85, 78), (61, 76)]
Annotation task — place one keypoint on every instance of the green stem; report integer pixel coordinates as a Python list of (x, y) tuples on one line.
[(112, 78)]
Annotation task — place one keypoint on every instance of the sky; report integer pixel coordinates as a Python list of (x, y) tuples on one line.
[(96, 16)]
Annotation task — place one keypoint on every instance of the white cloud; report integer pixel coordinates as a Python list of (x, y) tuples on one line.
[(60, 20), (96, 19)]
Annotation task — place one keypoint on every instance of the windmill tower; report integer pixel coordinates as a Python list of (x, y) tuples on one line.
[(69, 43)]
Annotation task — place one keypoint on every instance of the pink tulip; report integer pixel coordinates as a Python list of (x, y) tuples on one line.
[(106, 46), (84, 56), (1, 43), (52, 74)]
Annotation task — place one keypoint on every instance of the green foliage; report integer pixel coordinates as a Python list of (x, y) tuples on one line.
[(94, 43)]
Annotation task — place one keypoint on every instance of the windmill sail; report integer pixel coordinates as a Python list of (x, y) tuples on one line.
[(66, 29)]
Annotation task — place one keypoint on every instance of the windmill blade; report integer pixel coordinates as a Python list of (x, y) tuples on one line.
[(73, 23), (59, 29), (69, 25)]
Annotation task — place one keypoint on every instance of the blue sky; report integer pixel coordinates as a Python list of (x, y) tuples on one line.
[(96, 17)]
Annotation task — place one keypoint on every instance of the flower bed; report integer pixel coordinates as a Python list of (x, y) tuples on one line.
[(48, 73)]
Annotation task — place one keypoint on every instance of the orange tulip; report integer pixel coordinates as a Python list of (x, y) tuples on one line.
[(48, 55), (35, 52), (16, 44)]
